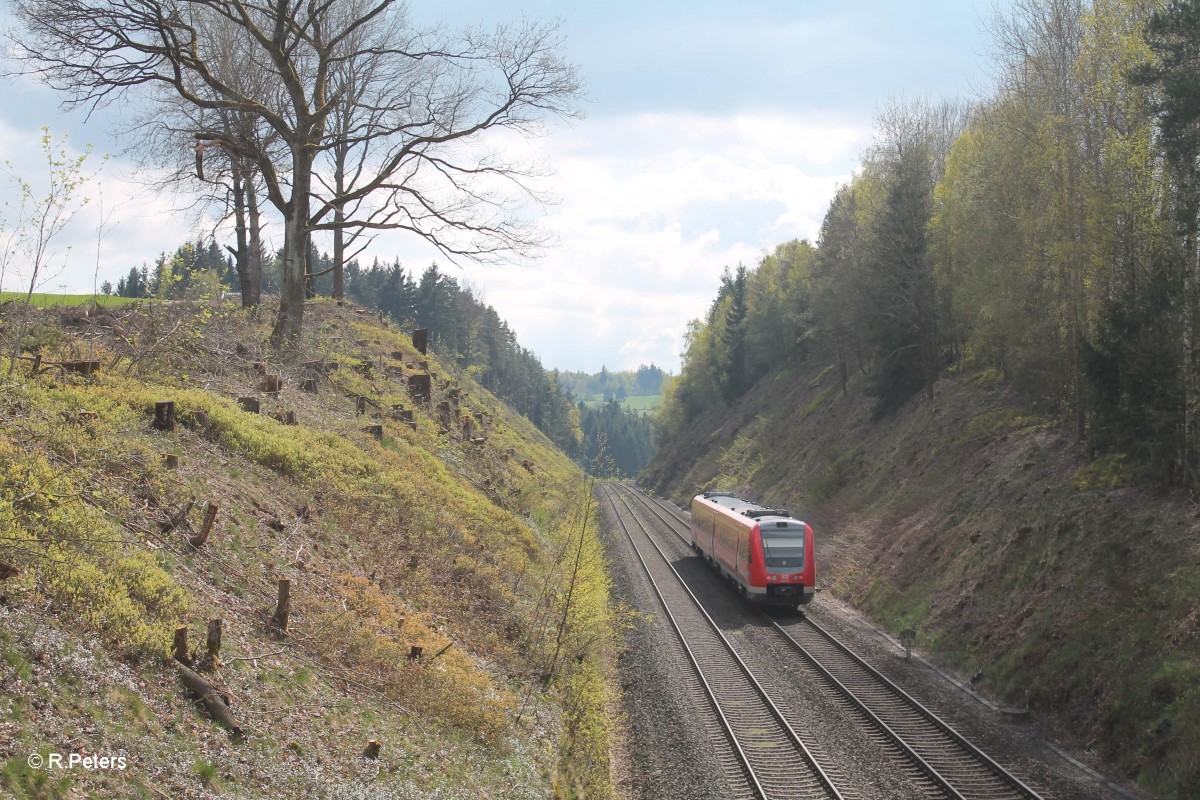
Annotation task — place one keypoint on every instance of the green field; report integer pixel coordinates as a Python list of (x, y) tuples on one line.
[(647, 402), (45, 299)]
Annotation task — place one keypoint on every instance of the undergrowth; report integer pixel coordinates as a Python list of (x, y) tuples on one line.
[(457, 586)]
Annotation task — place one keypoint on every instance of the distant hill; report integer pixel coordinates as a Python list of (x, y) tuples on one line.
[(614, 410)]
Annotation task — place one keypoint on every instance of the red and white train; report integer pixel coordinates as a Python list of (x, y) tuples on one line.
[(767, 553)]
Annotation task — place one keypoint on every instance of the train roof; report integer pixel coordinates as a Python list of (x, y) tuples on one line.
[(744, 507)]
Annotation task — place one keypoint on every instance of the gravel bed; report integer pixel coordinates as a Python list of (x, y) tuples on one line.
[(665, 751), (859, 764)]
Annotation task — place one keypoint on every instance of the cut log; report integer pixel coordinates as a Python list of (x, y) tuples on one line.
[(208, 696), (420, 387), (210, 516)]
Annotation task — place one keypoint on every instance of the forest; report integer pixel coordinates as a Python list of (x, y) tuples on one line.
[(1046, 235)]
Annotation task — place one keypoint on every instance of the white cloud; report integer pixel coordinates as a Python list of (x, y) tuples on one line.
[(654, 207)]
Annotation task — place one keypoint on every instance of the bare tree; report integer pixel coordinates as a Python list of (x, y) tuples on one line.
[(432, 95), (163, 142)]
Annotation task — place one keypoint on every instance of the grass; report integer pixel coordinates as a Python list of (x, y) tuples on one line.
[(636, 402), (49, 300), (388, 547)]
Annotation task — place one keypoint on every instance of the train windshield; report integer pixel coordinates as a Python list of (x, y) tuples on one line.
[(783, 549)]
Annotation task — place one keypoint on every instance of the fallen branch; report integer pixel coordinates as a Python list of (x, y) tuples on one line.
[(214, 702)]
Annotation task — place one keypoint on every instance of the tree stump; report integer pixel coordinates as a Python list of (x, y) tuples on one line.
[(180, 646), (272, 383), (283, 607), (309, 385), (249, 404), (414, 652), (85, 368), (360, 406), (213, 642), (375, 430), (420, 340), (372, 749), (420, 388), (170, 460), (164, 415)]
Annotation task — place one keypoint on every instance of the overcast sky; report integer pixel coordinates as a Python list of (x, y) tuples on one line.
[(711, 135)]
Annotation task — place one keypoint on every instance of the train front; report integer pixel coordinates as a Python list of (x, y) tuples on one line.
[(785, 566)]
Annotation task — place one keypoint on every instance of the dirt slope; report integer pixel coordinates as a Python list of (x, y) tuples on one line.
[(421, 559), (982, 526)]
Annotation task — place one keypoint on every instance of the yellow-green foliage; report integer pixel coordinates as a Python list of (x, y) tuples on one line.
[(374, 631), (488, 561), (78, 559), (584, 763), (987, 377), (817, 402), (820, 376), (1109, 472), (574, 629), (1004, 419), (740, 461)]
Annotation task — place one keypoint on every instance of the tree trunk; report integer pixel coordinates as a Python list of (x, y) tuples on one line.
[(254, 262), (339, 254), (290, 316), (242, 254)]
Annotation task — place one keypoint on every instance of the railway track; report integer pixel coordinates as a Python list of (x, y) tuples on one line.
[(952, 766), (775, 761)]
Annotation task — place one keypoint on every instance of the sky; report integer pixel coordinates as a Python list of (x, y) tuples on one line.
[(711, 133)]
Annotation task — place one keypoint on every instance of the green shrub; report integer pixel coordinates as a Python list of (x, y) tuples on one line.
[(1110, 472)]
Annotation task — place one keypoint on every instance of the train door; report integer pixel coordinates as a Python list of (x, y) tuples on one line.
[(742, 559)]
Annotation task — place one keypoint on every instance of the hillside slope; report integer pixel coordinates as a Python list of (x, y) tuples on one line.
[(982, 526), (428, 562)]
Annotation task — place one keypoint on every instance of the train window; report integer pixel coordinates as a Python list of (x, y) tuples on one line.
[(780, 550)]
